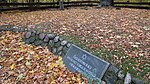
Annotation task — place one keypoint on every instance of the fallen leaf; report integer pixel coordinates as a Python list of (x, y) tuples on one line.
[(12, 66), (28, 63)]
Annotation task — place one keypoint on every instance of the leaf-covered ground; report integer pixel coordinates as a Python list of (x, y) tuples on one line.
[(23, 63), (119, 36)]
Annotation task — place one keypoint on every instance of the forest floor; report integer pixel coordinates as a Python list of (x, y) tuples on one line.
[(23, 63), (121, 37)]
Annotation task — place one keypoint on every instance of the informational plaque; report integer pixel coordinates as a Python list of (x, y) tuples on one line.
[(77, 59)]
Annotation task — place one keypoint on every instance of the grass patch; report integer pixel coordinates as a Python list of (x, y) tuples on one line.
[(127, 64)]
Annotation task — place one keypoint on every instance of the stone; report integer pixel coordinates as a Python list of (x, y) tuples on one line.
[(110, 80), (60, 53), (33, 34), (38, 42), (32, 39), (37, 37), (6, 27), (60, 39), (63, 43), (60, 48), (28, 34), (21, 30), (54, 50), (46, 39), (51, 36), (37, 32), (65, 49), (44, 44), (41, 36), (63, 54), (127, 79), (57, 44), (9, 29), (49, 48), (56, 39), (51, 43), (27, 41), (14, 29), (77, 59), (1, 29), (31, 30), (110, 77), (68, 45), (113, 69), (120, 75)]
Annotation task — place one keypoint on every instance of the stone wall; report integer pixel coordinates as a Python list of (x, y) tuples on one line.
[(55, 44)]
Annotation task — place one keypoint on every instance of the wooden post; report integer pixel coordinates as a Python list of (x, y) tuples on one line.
[(112, 2), (107, 2), (61, 5), (68, 1), (31, 4)]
